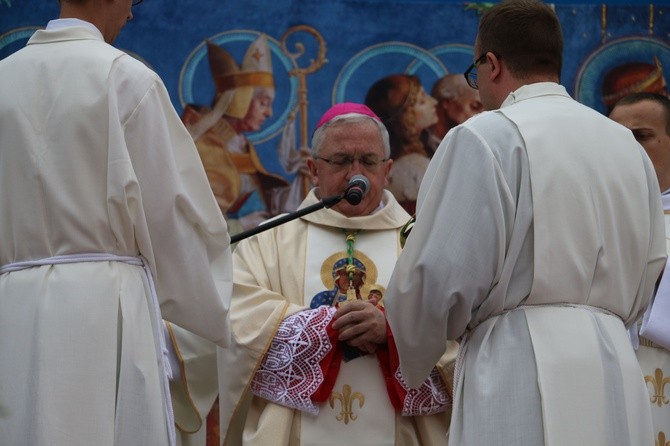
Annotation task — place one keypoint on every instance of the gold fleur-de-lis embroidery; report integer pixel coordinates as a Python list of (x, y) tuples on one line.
[(658, 382), (346, 399), (661, 440)]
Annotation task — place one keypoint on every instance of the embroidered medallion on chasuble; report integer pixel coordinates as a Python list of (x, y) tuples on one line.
[(360, 399), (358, 405), (347, 276)]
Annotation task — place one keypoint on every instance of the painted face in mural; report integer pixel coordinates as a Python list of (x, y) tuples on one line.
[(648, 122), (424, 110), (465, 106), (354, 140), (260, 109)]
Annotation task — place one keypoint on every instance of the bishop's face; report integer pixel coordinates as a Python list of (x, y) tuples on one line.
[(353, 142)]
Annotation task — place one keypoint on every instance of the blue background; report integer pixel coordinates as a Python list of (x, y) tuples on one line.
[(364, 40)]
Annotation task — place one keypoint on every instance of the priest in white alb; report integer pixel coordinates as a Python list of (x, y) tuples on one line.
[(539, 237)]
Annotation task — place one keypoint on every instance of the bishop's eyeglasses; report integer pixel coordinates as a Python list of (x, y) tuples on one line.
[(344, 162)]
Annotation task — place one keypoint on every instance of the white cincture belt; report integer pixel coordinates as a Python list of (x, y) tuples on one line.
[(463, 341), (154, 310)]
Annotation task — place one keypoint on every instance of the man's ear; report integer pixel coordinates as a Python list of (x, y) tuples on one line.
[(314, 173), (387, 171), (496, 65)]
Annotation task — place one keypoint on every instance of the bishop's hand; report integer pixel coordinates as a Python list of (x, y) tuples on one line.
[(361, 324)]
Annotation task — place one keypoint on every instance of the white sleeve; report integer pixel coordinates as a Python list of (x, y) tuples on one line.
[(177, 224), (453, 254)]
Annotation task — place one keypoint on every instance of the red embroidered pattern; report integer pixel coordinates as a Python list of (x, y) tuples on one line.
[(290, 372)]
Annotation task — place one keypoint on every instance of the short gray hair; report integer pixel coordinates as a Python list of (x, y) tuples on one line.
[(349, 118)]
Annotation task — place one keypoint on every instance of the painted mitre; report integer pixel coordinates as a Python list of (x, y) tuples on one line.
[(635, 77), (230, 79)]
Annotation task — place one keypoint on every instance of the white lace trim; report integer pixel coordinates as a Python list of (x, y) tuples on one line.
[(290, 372), (430, 398)]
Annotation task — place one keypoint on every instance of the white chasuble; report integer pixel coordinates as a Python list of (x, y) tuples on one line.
[(655, 364), (654, 358), (359, 410), (279, 274)]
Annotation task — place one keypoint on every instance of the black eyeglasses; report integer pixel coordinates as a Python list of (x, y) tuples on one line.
[(136, 2), (344, 162), (471, 73)]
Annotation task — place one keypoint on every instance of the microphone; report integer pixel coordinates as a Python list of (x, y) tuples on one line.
[(358, 187)]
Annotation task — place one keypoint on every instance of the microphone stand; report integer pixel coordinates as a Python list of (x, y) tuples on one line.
[(327, 202)]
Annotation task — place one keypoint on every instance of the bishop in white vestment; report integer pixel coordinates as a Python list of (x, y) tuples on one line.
[(287, 378)]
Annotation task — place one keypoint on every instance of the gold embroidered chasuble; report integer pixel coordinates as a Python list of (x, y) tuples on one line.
[(276, 275)]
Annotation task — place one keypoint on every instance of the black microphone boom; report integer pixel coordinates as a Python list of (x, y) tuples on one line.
[(327, 202), (358, 187), (356, 190)]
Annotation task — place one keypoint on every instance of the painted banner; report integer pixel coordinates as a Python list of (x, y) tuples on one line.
[(308, 55)]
